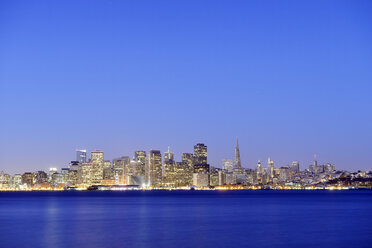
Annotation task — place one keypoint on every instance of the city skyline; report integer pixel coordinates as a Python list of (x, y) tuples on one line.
[(176, 157), (290, 79), (154, 170)]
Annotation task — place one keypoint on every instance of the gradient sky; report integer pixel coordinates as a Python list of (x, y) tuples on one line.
[(290, 79)]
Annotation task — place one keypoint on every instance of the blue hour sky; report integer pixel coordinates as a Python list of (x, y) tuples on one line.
[(290, 79)]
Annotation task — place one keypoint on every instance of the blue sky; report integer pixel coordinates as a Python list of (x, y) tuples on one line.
[(289, 78)]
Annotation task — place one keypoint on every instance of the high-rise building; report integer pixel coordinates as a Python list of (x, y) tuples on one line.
[(120, 166), (270, 167), (227, 164), (154, 169), (140, 158), (86, 174), (237, 162), (200, 159), (295, 167), (168, 173), (284, 174), (97, 160), (200, 154), (27, 178), (168, 156), (188, 158), (81, 156)]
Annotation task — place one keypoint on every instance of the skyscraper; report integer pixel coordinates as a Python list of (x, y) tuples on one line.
[(270, 168), (200, 158), (227, 164), (237, 162), (154, 169), (119, 169), (81, 156), (168, 156), (200, 154), (140, 157), (97, 166)]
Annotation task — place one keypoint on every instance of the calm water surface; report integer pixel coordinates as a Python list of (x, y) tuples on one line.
[(186, 219)]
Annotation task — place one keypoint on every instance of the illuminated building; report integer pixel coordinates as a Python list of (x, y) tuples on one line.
[(201, 179), (97, 161), (17, 180), (221, 177), (259, 172), (74, 165), (168, 157), (40, 177), (28, 179), (328, 167), (64, 173), (57, 178), (120, 169), (200, 154), (230, 178), (227, 165), (153, 173), (295, 167), (188, 158), (5, 180), (241, 179), (270, 167), (284, 174), (213, 176), (200, 159), (140, 157), (86, 174), (237, 162), (81, 156), (107, 170), (73, 177)]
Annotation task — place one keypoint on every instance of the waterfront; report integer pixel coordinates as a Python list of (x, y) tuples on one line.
[(186, 219)]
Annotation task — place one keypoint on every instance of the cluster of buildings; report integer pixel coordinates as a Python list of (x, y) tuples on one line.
[(152, 170)]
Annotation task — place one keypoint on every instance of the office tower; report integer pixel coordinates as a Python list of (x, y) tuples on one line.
[(201, 179), (168, 156), (188, 162), (213, 176), (328, 167), (86, 174), (295, 167), (140, 157), (259, 171), (270, 167), (284, 174), (57, 178), (97, 160), (188, 158), (40, 177), (81, 156), (27, 179), (5, 180), (154, 169), (120, 166), (221, 177), (200, 154), (74, 165), (237, 162), (200, 159), (230, 178), (64, 173), (73, 178), (227, 164), (107, 170), (17, 180)]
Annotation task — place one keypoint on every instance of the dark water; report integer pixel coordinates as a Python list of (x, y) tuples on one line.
[(186, 219)]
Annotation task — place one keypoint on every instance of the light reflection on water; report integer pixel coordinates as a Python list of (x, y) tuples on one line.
[(186, 219)]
